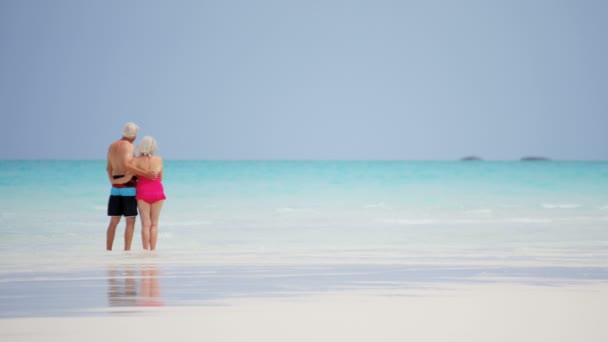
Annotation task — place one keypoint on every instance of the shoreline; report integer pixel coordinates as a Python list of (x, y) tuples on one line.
[(474, 312), (125, 282)]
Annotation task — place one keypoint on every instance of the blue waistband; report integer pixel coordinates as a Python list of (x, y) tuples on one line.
[(122, 191)]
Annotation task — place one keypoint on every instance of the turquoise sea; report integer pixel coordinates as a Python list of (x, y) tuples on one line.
[(397, 222)]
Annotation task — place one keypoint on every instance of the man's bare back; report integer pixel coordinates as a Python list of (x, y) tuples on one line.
[(119, 154)]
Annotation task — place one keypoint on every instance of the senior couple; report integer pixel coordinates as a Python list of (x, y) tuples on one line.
[(136, 182)]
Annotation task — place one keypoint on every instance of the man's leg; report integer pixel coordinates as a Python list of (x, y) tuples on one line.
[(129, 232), (114, 221)]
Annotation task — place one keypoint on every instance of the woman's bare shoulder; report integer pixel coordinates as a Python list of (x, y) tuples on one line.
[(157, 162), (138, 160)]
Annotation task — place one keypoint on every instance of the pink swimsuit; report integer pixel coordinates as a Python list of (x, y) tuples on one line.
[(149, 190)]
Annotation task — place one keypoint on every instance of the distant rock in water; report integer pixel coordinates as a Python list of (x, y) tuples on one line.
[(535, 159), (471, 158)]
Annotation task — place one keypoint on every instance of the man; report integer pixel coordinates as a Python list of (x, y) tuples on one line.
[(122, 200)]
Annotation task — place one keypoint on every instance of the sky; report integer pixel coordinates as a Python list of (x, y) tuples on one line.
[(413, 80)]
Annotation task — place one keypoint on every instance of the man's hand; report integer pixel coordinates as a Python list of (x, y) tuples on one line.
[(151, 174)]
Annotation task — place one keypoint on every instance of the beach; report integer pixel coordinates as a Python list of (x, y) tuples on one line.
[(497, 312), (300, 251)]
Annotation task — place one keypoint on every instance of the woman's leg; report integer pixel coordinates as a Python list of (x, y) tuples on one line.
[(144, 213), (154, 215)]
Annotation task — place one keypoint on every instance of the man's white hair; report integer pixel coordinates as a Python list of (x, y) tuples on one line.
[(147, 146), (130, 130)]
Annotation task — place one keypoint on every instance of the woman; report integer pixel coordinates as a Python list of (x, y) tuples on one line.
[(149, 192)]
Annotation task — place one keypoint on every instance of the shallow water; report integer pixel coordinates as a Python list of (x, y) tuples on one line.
[(265, 223)]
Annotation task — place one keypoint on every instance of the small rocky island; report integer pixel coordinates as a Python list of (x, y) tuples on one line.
[(471, 158), (534, 158)]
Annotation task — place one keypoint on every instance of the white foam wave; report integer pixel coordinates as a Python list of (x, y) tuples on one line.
[(529, 220), (409, 221), (605, 207), (288, 210), (375, 205), (510, 206), (560, 205), (188, 223), (480, 212)]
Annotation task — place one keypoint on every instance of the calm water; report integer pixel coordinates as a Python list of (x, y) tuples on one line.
[(49, 207), (543, 219)]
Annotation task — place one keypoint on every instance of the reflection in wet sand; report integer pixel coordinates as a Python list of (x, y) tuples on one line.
[(150, 288), (129, 287), (122, 287)]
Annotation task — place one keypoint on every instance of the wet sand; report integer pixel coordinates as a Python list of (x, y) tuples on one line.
[(472, 312)]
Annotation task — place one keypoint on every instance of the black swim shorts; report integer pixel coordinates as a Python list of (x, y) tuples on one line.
[(122, 200), (122, 206)]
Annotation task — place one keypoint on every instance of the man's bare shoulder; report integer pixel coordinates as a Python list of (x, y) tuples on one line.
[(120, 146)]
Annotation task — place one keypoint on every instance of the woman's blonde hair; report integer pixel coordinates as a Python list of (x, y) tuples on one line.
[(147, 146)]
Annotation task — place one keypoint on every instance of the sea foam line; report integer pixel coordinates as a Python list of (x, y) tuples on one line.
[(560, 205)]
